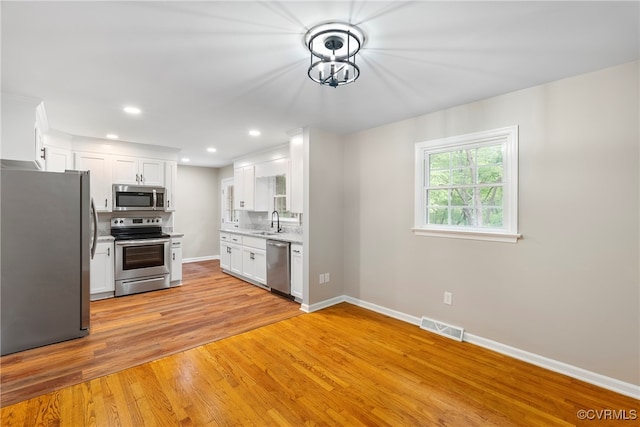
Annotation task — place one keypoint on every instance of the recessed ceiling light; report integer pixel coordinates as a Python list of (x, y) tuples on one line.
[(254, 132), (186, 159), (132, 110), (211, 150), (112, 136)]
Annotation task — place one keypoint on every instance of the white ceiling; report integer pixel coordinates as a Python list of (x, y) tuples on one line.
[(204, 73)]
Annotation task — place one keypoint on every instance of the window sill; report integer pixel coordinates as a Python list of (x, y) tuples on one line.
[(469, 235)]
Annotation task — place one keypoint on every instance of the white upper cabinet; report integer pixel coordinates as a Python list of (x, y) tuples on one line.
[(57, 159), (244, 187), (24, 123), (170, 183), (138, 171), (99, 166)]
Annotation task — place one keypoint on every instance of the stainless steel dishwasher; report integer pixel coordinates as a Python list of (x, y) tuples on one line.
[(278, 273)]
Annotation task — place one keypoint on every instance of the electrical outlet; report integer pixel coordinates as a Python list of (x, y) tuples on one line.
[(448, 298), (322, 278), (326, 278)]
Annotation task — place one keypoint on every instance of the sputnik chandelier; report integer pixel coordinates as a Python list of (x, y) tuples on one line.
[(333, 48)]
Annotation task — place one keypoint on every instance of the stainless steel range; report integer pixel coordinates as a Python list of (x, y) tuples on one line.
[(143, 255)]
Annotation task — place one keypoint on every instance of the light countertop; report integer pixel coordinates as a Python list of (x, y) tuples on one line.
[(284, 237)]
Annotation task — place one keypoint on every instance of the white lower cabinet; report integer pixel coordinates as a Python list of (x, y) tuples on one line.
[(176, 261), (102, 271), (235, 258), (254, 259), (296, 270), (225, 255), (244, 256)]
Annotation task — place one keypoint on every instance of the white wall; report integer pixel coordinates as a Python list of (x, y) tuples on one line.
[(569, 290), (198, 211)]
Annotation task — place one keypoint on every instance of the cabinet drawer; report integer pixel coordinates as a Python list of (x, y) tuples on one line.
[(225, 237), (235, 238), (254, 242), (296, 249)]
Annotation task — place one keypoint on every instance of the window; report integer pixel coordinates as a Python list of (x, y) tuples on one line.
[(228, 214), (467, 186)]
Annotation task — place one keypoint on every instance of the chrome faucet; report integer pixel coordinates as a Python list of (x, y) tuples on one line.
[(278, 217)]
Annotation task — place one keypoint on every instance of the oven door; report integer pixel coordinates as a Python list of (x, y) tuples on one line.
[(142, 258)]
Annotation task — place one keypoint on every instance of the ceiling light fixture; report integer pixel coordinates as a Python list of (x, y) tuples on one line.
[(254, 132), (211, 150), (186, 159), (333, 48), (112, 136), (132, 110)]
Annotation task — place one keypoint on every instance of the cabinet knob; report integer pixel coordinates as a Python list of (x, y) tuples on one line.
[(137, 178), (174, 256), (108, 251), (105, 203)]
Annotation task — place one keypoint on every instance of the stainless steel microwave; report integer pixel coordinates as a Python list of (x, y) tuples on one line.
[(137, 198)]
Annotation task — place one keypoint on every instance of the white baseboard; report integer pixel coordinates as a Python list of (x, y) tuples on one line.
[(594, 378), (384, 310), (201, 258), (590, 377), (323, 304)]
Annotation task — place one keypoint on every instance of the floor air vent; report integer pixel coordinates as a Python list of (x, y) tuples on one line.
[(449, 331)]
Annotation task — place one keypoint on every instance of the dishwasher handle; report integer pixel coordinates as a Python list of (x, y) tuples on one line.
[(277, 244)]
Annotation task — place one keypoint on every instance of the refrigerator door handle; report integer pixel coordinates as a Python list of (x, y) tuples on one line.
[(94, 217)]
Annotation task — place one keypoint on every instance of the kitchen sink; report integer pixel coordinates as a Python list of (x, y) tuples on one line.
[(265, 233)]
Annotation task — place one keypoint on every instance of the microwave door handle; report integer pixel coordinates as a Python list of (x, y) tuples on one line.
[(155, 200)]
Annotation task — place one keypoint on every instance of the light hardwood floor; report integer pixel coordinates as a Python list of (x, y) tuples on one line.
[(343, 365), (135, 329)]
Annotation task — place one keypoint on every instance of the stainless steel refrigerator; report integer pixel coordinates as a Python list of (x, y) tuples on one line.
[(47, 232)]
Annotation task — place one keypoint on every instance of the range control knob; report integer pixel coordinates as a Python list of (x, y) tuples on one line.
[(122, 221)]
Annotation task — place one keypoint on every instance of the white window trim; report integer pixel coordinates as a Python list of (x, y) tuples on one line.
[(509, 233)]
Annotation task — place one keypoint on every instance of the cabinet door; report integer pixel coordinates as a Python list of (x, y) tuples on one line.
[(151, 172), (170, 182), (235, 262), (39, 144), (244, 187), (176, 260), (254, 265), (238, 189), (102, 264), (248, 178), (225, 256), (100, 178), (296, 271), (57, 159), (247, 263), (125, 170), (260, 267)]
